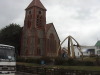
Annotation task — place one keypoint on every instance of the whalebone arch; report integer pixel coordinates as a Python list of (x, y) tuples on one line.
[(70, 46)]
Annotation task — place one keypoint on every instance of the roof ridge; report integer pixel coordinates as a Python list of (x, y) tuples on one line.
[(49, 23)]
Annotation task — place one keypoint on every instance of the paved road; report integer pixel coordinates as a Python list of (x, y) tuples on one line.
[(21, 73)]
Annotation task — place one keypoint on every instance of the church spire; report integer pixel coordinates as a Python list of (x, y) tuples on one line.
[(36, 3)]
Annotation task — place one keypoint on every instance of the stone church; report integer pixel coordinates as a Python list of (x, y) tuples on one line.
[(38, 38)]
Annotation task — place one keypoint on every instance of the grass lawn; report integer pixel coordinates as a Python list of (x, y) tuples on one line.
[(90, 59), (85, 68)]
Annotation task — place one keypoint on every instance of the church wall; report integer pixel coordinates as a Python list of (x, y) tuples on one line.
[(52, 31), (41, 42)]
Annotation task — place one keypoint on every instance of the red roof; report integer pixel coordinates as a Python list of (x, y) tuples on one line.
[(36, 3)]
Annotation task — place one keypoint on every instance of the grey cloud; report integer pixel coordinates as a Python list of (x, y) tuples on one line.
[(11, 11), (70, 17), (83, 14)]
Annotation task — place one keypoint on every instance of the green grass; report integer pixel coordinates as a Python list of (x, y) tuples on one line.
[(85, 68), (92, 59)]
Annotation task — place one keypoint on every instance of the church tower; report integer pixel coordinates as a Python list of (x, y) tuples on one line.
[(33, 35)]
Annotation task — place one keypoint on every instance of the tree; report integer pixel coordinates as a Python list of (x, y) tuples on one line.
[(11, 35)]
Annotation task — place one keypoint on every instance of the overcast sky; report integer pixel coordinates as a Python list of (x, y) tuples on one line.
[(78, 18)]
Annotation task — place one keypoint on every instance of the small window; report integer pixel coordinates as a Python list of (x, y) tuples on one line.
[(37, 16), (40, 12), (30, 12), (41, 17)]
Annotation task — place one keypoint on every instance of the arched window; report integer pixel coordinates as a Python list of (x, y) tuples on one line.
[(38, 51), (29, 24)]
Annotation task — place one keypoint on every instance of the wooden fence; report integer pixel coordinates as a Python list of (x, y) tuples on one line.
[(54, 71)]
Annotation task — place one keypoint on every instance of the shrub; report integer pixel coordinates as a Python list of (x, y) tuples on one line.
[(19, 59), (59, 61), (34, 60), (70, 62), (47, 60), (88, 63)]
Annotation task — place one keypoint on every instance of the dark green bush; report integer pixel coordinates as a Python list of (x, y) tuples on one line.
[(88, 63), (47, 60), (34, 60), (19, 59), (28, 60), (71, 62), (56, 61), (59, 61)]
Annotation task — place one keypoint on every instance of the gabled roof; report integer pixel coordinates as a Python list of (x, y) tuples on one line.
[(36, 3), (98, 43), (47, 27)]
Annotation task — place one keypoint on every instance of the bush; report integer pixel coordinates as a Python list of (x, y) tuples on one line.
[(88, 63), (66, 62), (34, 60), (47, 60), (19, 59), (59, 61), (71, 62), (28, 60), (56, 61)]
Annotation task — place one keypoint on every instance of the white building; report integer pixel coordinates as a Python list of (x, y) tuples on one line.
[(87, 50)]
